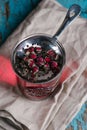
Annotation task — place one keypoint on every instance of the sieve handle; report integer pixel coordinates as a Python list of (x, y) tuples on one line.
[(72, 13)]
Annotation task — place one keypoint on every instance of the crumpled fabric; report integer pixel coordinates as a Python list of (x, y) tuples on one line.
[(56, 112)]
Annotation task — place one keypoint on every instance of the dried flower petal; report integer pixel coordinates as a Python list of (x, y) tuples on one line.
[(38, 49), (31, 49), (54, 64), (31, 63), (33, 56), (47, 59), (46, 67), (35, 70), (51, 53), (37, 62), (26, 59), (40, 61)]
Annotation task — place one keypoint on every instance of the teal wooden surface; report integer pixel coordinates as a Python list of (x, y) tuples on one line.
[(80, 121), (13, 12), (82, 3)]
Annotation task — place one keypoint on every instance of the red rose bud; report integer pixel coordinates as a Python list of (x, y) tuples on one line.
[(51, 53), (40, 61), (31, 63), (33, 56), (26, 59), (31, 49), (47, 59), (46, 66), (38, 49), (35, 70), (54, 64)]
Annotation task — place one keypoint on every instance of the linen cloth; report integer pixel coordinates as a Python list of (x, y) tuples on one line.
[(56, 112)]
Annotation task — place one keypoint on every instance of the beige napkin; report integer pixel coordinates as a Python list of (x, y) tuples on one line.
[(56, 112)]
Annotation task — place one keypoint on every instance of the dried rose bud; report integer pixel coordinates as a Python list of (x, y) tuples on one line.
[(40, 61), (33, 55), (35, 70), (46, 67), (31, 49), (38, 49), (31, 63), (26, 59), (47, 59), (51, 53), (54, 64)]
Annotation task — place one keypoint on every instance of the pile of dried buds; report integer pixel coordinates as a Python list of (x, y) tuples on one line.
[(34, 62)]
